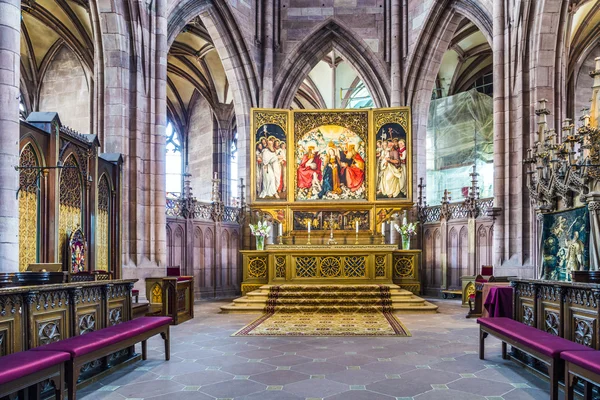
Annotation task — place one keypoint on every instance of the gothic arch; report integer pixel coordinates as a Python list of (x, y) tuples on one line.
[(298, 64), (229, 43)]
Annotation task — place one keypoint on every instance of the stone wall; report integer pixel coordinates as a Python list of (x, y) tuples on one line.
[(65, 90), (200, 153)]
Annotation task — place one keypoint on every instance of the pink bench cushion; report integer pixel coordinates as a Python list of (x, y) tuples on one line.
[(18, 365), (533, 338), (84, 344), (135, 292), (588, 360)]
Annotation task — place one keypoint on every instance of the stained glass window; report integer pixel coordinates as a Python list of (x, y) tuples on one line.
[(174, 160), (233, 170)]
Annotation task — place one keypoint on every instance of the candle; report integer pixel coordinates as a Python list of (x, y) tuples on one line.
[(404, 222), (280, 229), (382, 228), (391, 231), (309, 227), (356, 226)]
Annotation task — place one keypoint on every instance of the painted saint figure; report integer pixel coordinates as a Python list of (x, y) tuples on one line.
[(309, 168), (271, 171), (575, 248), (353, 167), (281, 155)]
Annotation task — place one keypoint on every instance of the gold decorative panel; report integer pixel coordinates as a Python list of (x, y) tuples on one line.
[(156, 294), (403, 267), (71, 192), (355, 266), (28, 208), (331, 267), (306, 267), (103, 227), (257, 267), (380, 266), (279, 267)]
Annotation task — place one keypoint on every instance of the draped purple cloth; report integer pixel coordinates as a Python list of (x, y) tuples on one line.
[(499, 302)]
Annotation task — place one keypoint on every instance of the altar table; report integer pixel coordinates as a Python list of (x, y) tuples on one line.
[(327, 265), (498, 300)]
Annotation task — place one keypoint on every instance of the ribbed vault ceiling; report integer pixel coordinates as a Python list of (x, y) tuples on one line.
[(194, 69)]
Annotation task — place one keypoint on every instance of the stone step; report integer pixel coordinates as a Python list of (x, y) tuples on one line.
[(248, 308)]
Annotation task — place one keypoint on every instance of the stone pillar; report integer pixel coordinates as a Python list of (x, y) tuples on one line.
[(593, 201), (396, 56), (10, 57)]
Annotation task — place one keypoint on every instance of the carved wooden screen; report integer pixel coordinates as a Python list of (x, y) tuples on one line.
[(28, 208), (103, 227), (70, 203)]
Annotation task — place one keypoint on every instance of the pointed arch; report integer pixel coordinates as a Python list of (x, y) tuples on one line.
[(331, 35), (229, 43)]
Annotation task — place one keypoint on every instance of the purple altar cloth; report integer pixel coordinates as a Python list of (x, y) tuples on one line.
[(499, 302)]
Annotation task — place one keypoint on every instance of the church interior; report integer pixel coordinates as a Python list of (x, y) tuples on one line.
[(300, 199)]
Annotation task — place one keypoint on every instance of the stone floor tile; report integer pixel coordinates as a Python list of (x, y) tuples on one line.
[(249, 368), (183, 395), (259, 353), (279, 377), (203, 378), (152, 388), (320, 388), (318, 368), (480, 386), (289, 360), (356, 377), (233, 388), (351, 360), (399, 387), (448, 395)]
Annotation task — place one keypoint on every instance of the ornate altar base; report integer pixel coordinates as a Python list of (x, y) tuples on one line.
[(360, 264)]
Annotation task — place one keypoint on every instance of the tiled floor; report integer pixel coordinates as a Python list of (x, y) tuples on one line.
[(439, 361)]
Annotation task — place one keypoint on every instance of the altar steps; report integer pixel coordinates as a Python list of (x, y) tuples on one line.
[(324, 298)]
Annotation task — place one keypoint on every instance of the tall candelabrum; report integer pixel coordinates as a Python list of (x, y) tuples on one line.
[(560, 166)]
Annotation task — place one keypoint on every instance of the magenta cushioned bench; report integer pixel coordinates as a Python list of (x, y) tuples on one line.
[(94, 345), (26, 369), (539, 344), (582, 365)]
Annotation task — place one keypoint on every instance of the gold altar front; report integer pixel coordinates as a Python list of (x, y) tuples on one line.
[(331, 265)]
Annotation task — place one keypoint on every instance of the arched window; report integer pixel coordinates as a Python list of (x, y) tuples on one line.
[(174, 161), (233, 170), (22, 109)]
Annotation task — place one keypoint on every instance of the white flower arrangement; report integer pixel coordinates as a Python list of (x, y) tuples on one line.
[(261, 228), (407, 229)]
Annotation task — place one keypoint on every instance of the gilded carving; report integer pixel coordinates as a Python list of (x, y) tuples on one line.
[(355, 266), (70, 202), (469, 290), (279, 267), (331, 267), (28, 207), (257, 267), (306, 267), (379, 266), (103, 227), (156, 293), (404, 267), (9, 304)]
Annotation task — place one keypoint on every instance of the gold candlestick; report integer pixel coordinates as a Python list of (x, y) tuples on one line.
[(356, 240), (308, 240)]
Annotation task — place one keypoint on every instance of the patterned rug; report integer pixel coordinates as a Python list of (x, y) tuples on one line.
[(327, 311)]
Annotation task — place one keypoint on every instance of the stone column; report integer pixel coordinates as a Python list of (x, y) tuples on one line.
[(593, 201), (10, 33)]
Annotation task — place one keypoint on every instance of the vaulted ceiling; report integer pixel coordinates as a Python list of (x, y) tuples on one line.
[(469, 56), (584, 33), (332, 83), (194, 69), (47, 26)]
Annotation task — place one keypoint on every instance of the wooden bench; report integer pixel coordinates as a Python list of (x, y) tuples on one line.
[(583, 366), (539, 344), (27, 369), (94, 345)]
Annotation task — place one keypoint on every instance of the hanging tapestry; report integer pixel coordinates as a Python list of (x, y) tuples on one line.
[(565, 242), (28, 208)]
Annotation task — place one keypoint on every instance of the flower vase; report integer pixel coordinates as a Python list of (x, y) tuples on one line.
[(260, 242), (405, 242)]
